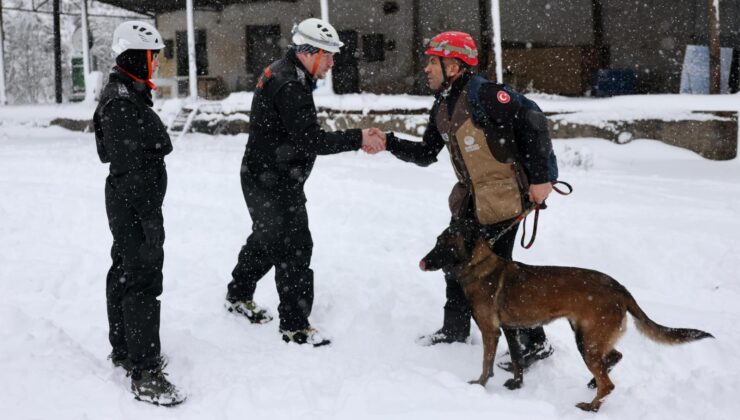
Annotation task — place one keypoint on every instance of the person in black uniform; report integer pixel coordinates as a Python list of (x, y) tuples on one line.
[(502, 155), (130, 136), (284, 140)]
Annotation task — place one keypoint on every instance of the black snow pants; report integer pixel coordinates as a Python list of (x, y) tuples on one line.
[(280, 238), (133, 285), (457, 310)]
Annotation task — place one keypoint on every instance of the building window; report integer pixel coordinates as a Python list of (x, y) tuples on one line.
[(390, 7), (201, 53), (263, 47), (169, 49), (373, 47)]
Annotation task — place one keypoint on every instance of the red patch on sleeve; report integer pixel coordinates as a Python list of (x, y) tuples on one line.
[(503, 97)]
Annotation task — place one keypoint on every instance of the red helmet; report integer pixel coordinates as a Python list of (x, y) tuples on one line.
[(454, 44)]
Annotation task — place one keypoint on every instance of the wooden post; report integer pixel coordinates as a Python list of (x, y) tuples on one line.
[(324, 4), (602, 50), (192, 74), (496, 23), (57, 54), (714, 48), (417, 48), (484, 48)]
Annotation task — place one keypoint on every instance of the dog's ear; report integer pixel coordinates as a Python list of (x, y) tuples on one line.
[(466, 237), (469, 243)]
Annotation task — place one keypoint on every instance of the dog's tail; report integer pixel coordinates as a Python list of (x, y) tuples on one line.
[(660, 333)]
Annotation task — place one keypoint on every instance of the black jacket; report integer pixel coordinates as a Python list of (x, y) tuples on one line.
[(130, 136), (529, 127), (284, 134)]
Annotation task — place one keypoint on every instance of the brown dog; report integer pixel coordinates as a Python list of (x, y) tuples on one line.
[(505, 293)]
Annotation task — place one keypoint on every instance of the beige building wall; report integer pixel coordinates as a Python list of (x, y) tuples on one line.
[(394, 73), (648, 37), (226, 34), (547, 22)]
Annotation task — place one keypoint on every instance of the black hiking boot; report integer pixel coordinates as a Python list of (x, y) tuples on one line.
[(126, 364), (121, 361), (253, 312), (455, 329), (308, 335), (442, 336), (528, 358), (153, 387)]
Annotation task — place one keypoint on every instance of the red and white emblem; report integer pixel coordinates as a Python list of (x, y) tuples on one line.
[(503, 97)]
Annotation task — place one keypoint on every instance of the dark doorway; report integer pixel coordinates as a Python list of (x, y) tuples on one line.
[(263, 47), (201, 53), (345, 74)]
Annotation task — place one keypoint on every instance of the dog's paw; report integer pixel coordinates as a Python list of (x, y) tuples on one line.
[(513, 384), (588, 407), (478, 382), (591, 384)]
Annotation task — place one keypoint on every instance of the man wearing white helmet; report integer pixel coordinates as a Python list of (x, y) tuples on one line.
[(284, 140), (130, 136)]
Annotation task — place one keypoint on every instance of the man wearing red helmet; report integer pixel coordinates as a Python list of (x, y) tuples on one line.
[(502, 155)]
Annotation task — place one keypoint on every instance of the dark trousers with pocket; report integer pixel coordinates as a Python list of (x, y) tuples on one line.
[(133, 285), (281, 239), (457, 310)]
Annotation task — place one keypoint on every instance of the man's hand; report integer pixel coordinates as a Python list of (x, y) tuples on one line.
[(373, 140), (539, 192), (153, 232)]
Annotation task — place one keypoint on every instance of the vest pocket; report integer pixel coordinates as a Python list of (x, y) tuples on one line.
[(498, 200), (458, 200)]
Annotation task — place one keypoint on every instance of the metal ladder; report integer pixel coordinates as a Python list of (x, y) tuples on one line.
[(183, 121)]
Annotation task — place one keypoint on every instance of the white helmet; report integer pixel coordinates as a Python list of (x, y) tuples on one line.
[(135, 35), (317, 33)]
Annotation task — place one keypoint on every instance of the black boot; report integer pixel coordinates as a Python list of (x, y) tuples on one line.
[(532, 344), (153, 387), (455, 329), (126, 364)]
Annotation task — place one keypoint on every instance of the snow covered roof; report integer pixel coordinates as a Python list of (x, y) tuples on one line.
[(161, 6)]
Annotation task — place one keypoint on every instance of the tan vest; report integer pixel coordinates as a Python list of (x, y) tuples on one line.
[(481, 166)]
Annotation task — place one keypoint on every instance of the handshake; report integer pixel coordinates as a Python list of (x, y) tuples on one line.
[(373, 140)]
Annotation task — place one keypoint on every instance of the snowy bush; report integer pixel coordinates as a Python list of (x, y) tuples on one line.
[(572, 157)]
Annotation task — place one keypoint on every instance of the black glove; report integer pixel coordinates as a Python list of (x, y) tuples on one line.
[(153, 232)]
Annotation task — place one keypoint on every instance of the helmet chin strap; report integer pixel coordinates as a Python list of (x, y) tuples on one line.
[(149, 71), (149, 68), (316, 61), (445, 78)]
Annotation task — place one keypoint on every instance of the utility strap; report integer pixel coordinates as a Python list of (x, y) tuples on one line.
[(559, 191), (534, 226), (316, 60), (511, 226), (522, 218), (149, 83)]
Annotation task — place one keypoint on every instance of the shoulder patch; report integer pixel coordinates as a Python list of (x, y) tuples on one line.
[(267, 74), (122, 90), (503, 97), (301, 76)]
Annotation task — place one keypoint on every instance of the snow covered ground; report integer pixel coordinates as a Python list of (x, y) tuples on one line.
[(661, 220)]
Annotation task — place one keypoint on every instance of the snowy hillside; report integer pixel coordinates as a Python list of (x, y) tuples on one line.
[(663, 221)]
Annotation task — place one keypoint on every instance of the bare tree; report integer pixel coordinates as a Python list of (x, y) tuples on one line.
[(3, 97)]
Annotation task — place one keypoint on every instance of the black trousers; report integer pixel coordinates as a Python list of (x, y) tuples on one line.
[(457, 310), (133, 285), (280, 238)]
